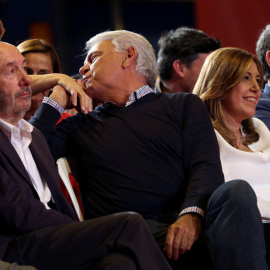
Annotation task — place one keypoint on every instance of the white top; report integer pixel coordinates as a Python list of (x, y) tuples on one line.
[(20, 137), (254, 167)]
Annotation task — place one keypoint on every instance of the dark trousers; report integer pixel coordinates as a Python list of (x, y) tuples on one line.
[(115, 242), (234, 228), (233, 236), (266, 227)]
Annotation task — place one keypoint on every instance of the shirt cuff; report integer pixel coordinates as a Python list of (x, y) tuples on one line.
[(54, 104), (192, 209)]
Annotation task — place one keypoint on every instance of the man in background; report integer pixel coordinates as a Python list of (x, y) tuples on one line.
[(181, 55), (263, 54)]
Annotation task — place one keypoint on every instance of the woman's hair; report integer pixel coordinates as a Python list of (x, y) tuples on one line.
[(146, 64), (222, 70), (2, 29), (41, 46)]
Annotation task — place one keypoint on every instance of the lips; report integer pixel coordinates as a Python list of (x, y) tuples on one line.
[(85, 80), (26, 94), (23, 93), (253, 99)]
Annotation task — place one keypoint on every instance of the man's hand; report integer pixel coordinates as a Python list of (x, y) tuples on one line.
[(66, 99), (76, 92), (74, 89), (182, 234)]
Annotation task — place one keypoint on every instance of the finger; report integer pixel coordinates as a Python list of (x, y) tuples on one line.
[(182, 247), (186, 243), (178, 243), (190, 242), (89, 105), (85, 105), (73, 95), (169, 243), (72, 88)]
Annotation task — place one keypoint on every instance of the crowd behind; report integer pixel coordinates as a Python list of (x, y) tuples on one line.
[(170, 157)]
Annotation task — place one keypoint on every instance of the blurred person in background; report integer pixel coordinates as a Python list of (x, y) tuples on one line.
[(181, 55), (263, 54), (41, 58)]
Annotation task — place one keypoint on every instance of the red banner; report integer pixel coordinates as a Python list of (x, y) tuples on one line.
[(237, 23)]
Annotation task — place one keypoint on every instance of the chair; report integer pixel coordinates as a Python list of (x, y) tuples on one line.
[(64, 171)]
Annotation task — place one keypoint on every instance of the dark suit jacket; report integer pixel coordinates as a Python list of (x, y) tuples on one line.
[(263, 106), (21, 211)]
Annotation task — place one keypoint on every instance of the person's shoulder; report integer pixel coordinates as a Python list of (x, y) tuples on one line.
[(184, 98), (264, 96), (180, 96), (261, 128), (265, 93), (37, 132), (184, 102), (259, 124)]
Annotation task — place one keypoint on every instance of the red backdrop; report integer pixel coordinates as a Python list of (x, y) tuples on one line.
[(236, 23)]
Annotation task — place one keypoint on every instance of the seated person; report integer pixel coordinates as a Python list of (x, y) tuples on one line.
[(41, 58), (6, 265), (155, 154), (263, 54), (229, 85), (38, 226)]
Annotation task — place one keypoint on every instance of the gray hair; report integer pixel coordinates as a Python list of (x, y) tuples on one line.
[(146, 64), (262, 46)]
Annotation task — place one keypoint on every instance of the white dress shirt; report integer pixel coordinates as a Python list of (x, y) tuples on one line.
[(254, 167), (21, 137)]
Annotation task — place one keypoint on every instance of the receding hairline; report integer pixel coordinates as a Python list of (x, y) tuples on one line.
[(4, 46)]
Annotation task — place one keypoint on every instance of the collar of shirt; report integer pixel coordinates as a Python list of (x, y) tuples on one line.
[(137, 94), (23, 127), (23, 130)]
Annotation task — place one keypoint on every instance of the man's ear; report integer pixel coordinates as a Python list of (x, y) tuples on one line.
[(267, 57), (129, 57), (179, 68)]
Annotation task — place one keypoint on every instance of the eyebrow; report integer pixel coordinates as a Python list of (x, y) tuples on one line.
[(10, 64), (249, 73), (90, 54), (14, 63)]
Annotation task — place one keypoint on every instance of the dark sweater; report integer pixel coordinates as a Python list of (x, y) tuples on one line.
[(158, 155)]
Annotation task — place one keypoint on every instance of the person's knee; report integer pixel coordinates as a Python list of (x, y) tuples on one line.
[(239, 190), (115, 261), (231, 199), (234, 191), (134, 221), (132, 217)]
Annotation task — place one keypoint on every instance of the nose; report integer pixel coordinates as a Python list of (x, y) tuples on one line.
[(83, 70), (257, 86), (25, 79)]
